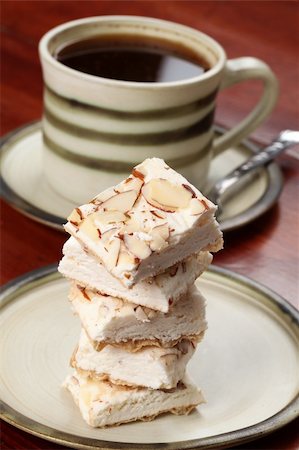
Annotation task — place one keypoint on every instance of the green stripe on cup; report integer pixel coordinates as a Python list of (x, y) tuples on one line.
[(117, 166), (135, 115), (198, 128)]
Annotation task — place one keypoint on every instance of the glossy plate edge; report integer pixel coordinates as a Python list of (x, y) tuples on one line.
[(275, 183), (290, 412)]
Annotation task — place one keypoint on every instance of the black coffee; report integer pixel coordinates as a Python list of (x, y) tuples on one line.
[(125, 58)]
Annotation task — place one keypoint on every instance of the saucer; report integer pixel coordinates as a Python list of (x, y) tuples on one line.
[(25, 188)]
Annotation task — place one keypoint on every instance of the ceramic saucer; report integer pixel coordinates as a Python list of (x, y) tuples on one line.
[(24, 185)]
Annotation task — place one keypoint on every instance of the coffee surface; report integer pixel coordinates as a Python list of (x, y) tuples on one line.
[(131, 60)]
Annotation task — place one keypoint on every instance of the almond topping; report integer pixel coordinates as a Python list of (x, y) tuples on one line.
[(164, 195), (75, 217), (159, 215), (108, 217), (131, 225), (88, 227), (113, 248), (204, 203), (197, 206), (159, 235), (137, 247), (186, 186), (162, 230), (130, 184), (79, 213), (137, 174), (107, 235), (121, 202), (126, 259), (103, 196)]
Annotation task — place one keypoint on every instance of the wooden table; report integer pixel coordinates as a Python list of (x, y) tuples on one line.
[(266, 250)]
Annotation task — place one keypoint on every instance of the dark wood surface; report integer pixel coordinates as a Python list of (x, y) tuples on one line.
[(266, 250)]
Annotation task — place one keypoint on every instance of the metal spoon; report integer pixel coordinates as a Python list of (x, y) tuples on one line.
[(228, 185)]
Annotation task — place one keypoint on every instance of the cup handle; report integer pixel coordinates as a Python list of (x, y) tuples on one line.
[(241, 69)]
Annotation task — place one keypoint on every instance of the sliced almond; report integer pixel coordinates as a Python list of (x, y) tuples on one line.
[(197, 207), (165, 195), (145, 219), (162, 230), (89, 228), (113, 248), (129, 184), (76, 216), (103, 196), (122, 202), (131, 225), (158, 214), (159, 234), (157, 243), (137, 247), (109, 234), (108, 217), (189, 188), (125, 259), (137, 174)]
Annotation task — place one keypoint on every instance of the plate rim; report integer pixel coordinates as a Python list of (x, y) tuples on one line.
[(14, 288), (267, 200)]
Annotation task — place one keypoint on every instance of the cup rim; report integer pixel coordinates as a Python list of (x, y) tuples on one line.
[(45, 55)]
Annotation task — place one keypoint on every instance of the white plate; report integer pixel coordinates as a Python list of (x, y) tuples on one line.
[(24, 185), (247, 366)]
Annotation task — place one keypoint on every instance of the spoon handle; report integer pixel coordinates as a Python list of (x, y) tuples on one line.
[(285, 140)]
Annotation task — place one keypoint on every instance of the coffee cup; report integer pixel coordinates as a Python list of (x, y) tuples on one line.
[(96, 127)]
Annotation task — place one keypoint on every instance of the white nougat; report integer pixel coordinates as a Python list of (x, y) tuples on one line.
[(156, 293), (133, 257), (147, 223), (152, 367), (103, 404), (109, 320)]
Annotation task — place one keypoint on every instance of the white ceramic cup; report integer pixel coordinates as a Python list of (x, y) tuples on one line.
[(96, 129)]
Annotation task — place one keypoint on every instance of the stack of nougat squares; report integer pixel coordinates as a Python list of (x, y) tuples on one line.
[(134, 254)]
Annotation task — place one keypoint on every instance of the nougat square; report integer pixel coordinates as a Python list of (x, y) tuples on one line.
[(147, 223)]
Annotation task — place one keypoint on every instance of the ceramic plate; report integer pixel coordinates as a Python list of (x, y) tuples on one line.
[(247, 367), (25, 187)]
